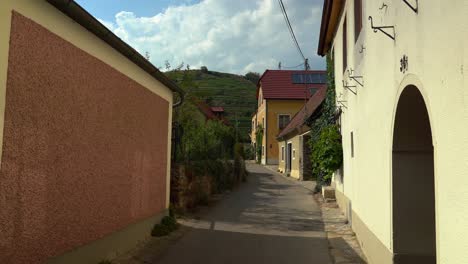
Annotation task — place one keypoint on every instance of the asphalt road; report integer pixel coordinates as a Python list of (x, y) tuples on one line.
[(269, 219)]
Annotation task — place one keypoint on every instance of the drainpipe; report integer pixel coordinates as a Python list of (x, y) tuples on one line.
[(181, 100)]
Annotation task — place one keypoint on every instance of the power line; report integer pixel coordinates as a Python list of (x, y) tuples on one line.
[(293, 67), (288, 23)]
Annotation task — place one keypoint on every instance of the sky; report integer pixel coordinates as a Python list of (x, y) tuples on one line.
[(235, 36)]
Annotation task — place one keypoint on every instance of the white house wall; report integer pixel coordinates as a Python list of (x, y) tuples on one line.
[(434, 41)]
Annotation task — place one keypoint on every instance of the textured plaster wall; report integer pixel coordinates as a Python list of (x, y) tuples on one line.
[(84, 148), (435, 42), (274, 109)]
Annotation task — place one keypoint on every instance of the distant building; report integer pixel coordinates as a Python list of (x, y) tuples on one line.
[(280, 95), (218, 111), (294, 154), (211, 112)]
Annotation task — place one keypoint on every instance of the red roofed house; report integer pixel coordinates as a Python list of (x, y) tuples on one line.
[(292, 140), (281, 94)]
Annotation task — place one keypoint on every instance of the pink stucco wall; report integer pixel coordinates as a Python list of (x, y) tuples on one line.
[(84, 152)]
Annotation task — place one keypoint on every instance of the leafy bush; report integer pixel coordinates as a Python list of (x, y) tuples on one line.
[(160, 230), (239, 150), (259, 142), (328, 151), (170, 223), (325, 142)]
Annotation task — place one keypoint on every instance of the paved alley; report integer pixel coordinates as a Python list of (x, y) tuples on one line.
[(269, 219)]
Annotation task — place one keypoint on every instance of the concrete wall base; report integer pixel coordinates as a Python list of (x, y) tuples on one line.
[(376, 252), (111, 245)]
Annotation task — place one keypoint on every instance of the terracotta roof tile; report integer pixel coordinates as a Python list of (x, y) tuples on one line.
[(306, 111), (278, 84)]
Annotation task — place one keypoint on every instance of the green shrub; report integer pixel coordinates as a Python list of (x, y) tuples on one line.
[(239, 151), (170, 223), (160, 230)]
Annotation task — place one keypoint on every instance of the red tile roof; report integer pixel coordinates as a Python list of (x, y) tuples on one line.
[(217, 109), (306, 111), (208, 112), (278, 84)]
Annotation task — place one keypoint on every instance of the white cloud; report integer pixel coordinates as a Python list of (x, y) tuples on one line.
[(224, 35)]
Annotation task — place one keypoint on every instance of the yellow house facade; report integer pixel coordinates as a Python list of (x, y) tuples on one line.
[(280, 94), (400, 74)]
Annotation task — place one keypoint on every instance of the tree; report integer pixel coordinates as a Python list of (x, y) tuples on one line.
[(204, 69), (167, 64), (253, 77), (180, 66)]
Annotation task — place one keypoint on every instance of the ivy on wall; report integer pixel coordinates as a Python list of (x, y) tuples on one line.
[(325, 141), (259, 142)]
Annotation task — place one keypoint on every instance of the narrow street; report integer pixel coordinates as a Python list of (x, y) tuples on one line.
[(269, 219)]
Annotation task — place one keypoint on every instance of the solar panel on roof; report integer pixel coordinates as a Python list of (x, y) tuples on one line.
[(308, 78)]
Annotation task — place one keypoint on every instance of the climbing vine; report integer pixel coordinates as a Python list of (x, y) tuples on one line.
[(259, 142), (325, 141)]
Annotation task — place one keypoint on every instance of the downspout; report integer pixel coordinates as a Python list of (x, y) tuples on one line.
[(181, 100)]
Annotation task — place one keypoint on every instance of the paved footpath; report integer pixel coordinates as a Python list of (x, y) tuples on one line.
[(269, 219)]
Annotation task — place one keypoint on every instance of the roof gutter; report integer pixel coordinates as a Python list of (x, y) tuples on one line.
[(331, 13), (74, 11), (326, 13)]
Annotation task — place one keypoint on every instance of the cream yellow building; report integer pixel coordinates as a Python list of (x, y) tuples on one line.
[(400, 69), (294, 150), (281, 94)]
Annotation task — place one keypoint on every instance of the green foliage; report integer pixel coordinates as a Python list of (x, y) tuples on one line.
[(204, 69), (165, 227), (234, 93), (160, 230), (259, 142), (239, 151), (253, 77), (325, 142), (328, 152), (249, 153), (170, 222)]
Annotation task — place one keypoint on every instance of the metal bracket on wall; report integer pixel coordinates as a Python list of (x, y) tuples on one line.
[(346, 86), (415, 9), (342, 104), (358, 79), (362, 49), (382, 29)]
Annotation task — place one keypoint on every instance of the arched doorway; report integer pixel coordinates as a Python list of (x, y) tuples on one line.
[(413, 192)]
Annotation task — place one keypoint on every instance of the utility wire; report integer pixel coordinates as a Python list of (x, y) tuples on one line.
[(293, 67), (288, 23)]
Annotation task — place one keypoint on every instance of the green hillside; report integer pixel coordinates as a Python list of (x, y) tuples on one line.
[(233, 92)]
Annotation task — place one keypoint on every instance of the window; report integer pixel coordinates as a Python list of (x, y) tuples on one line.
[(283, 121), (352, 145), (282, 153), (357, 18), (345, 51), (307, 78)]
